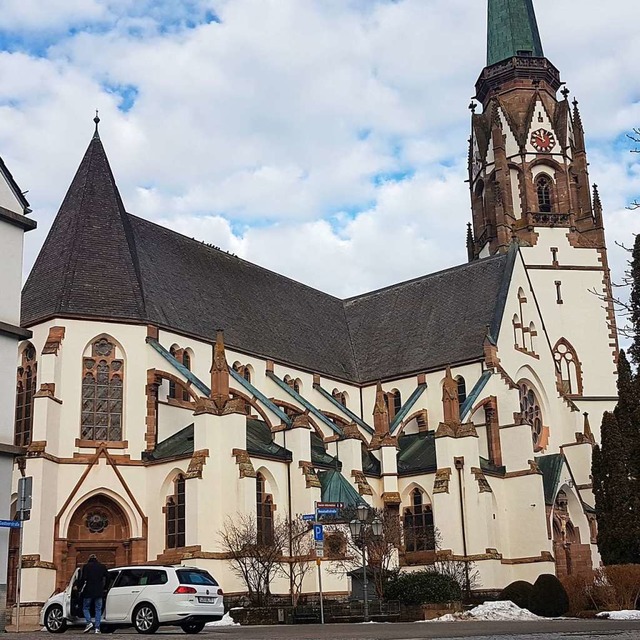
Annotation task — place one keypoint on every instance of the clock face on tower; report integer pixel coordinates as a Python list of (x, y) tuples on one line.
[(543, 140)]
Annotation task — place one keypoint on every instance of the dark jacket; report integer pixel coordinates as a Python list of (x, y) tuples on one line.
[(93, 579)]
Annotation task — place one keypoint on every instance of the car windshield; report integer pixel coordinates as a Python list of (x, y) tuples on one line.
[(193, 576)]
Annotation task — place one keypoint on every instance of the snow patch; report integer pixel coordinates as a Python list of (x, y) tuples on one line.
[(620, 615), (227, 621), (496, 611)]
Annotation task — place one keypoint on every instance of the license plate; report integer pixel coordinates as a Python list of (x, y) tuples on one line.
[(206, 600)]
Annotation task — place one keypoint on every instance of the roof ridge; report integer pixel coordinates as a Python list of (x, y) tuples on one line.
[(426, 276), (233, 256)]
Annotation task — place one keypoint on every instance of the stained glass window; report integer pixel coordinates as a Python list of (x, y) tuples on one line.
[(25, 391), (418, 524), (102, 393), (531, 414), (175, 515)]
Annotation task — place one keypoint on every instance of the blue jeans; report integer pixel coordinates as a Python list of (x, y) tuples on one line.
[(86, 609)]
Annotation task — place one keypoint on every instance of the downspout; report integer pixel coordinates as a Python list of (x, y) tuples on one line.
[(290, 523), (459, 464)]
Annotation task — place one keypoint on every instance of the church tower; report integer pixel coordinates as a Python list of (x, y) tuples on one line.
[(527, 160), (529, 181)]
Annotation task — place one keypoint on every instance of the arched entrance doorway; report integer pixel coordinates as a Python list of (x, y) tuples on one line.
[(99, 525), (572, 557)]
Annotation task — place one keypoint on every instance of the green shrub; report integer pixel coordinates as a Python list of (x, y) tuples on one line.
[(423, 587), (518, 592), (548, 597)]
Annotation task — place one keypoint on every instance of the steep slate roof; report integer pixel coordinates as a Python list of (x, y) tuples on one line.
[(100, 262), (425, 323), (87, 265), (551, 467)]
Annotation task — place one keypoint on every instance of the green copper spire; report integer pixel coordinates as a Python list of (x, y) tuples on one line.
[(513, 30)]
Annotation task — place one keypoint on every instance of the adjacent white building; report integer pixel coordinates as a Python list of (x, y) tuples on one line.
[(13, 224)]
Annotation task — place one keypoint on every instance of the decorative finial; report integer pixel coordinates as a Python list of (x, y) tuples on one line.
[(97, 121), (565, 92), (473, 106), (575, 102)]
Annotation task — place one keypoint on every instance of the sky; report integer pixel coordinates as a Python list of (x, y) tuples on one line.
[(323, 139)]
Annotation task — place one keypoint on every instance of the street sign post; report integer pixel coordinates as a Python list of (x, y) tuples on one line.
[(10, 524), (318, 533), (25, 490), (309, 517)]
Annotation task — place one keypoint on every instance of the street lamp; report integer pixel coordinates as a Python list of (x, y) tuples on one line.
[(361, 529)]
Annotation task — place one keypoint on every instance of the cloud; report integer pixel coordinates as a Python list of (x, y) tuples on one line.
[(325, 139)]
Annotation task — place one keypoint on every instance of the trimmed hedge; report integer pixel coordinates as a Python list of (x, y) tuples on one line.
[(518, 592), (548, 597), (423, 587)]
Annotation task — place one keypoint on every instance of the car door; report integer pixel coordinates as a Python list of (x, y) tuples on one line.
[(123, 595), (69, 594), (111, 579)]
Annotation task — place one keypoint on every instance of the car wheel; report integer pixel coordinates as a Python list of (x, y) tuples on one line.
[(145, 619), (193, 626), (54, 619)]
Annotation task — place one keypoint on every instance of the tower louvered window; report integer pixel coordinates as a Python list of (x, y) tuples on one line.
[(102, 391), (25, 391), (543, 187)]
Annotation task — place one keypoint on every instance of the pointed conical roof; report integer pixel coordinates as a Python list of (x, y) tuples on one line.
[(88, 264), (512, 30)]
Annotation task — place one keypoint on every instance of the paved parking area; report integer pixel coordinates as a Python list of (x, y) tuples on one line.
[(545, 630)]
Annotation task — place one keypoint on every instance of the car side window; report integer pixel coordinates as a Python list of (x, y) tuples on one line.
[(155, 577), (129, 578), (112, 577)]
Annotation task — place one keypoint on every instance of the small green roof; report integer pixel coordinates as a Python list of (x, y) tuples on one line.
[(178, 444), (260, 441), (370, 464), (512, 30), (320, 457), (336, 488), (417, 453), (551, 467)]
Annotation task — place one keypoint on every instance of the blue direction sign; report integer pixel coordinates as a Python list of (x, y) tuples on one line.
[(11, 524), (318, 532), (309, 517), (326, 511)]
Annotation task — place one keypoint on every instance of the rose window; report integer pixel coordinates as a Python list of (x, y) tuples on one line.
[(97, 522), (531, 414)]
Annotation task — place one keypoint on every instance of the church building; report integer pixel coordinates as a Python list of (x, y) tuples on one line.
[(174, 385)]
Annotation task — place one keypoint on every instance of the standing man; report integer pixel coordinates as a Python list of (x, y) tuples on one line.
[(93, 579)]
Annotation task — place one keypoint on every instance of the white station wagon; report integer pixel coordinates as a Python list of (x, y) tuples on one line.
[(144, 597)]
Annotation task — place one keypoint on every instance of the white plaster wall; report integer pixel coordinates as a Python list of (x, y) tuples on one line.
[(11, 278), (8, 198)]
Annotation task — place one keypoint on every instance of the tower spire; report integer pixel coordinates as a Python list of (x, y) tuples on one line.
[(512, 31)]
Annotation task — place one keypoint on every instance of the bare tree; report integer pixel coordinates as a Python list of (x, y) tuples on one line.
[(254, 559), (299, 562)]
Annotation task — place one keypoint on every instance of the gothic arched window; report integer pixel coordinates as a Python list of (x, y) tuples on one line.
[(417, 524), (462, 390), (531, 413), (264, 512), (543, 189), (172, 384), (175, 515), (25, 391), (397, 402), (569, 367), (102, 386)]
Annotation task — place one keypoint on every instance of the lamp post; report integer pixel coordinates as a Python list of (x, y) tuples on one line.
[(361, 529)]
